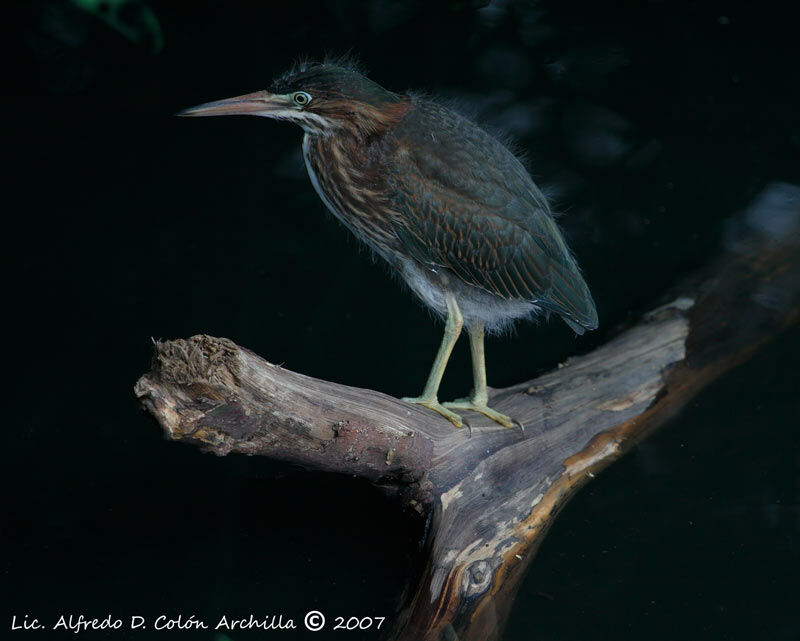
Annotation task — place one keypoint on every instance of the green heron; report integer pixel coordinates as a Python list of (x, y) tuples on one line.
[(446, 204)]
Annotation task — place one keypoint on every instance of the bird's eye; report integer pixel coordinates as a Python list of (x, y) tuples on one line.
[(301, 98)]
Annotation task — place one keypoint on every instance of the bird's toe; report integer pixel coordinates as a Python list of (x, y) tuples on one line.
[(436, 406), (482, 408)]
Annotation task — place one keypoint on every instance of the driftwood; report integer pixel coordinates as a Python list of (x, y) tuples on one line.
[(491, 493)]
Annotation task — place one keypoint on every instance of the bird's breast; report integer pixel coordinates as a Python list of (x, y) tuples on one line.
[(352, 190)]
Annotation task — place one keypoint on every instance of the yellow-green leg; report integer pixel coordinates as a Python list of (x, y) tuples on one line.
[(480, 396), (429, 398)]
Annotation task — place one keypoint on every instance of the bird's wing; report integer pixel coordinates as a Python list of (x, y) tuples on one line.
[(467, 204)]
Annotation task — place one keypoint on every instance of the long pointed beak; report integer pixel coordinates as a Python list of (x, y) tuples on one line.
[(260, 103)]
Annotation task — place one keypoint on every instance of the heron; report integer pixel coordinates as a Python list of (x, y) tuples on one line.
[(444, 203)]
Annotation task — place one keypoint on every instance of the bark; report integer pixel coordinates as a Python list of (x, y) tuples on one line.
[(491, 493)]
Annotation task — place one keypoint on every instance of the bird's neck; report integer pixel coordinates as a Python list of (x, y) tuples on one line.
[(352, 144), (368, 121)]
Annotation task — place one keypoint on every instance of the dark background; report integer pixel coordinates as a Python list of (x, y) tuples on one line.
[(651, 124)]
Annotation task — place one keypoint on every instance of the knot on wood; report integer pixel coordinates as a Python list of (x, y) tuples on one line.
[(477, 578), (678, 307), (199, 359)]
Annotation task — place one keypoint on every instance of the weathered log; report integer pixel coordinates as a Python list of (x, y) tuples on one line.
[(491, 492)]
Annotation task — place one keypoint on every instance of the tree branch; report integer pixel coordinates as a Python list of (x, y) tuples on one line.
[(492, 493)]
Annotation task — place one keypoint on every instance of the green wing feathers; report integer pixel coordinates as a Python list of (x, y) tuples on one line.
[(491, 227)]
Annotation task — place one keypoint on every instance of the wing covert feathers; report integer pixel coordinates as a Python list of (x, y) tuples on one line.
[(466, 203)]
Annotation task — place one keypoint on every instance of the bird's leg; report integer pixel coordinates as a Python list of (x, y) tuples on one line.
[(480, 397), (429, 398)]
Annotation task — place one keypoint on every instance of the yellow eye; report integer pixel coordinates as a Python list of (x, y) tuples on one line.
[(301, 98)]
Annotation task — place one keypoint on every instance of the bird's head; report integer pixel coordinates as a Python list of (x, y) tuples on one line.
[(324, 99)]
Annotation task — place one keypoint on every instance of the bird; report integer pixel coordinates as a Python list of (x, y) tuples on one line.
[(444, 203)]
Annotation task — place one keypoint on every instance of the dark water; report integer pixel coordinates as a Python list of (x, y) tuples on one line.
[(650, 123)]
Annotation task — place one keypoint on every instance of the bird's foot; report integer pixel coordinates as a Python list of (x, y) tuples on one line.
[(481, 407), (436, 406)]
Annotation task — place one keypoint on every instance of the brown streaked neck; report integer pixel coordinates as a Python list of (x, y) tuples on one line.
[(366, 120)]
